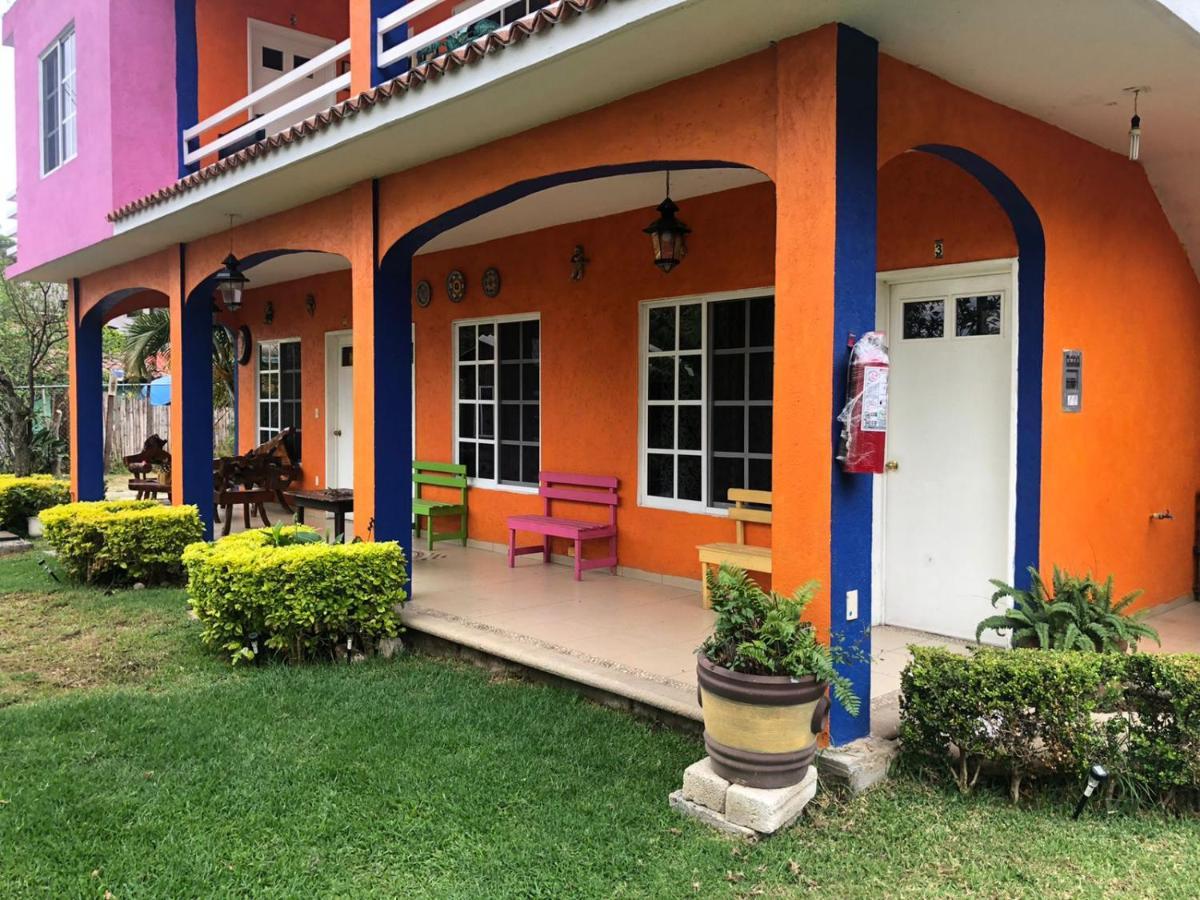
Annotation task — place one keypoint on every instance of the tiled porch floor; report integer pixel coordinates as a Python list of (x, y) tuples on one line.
[(627, 635), (634, 637), (638, 635)]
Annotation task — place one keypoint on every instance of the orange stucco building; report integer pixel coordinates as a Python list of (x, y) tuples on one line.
[(831, 189)]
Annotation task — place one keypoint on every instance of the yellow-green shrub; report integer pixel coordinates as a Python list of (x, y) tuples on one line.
[(25, 496), (254, 593), (122, 541)]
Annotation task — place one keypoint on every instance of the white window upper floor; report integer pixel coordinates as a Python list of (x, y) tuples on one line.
[(56, 83)]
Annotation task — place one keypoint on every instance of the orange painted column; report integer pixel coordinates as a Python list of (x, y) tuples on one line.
[(73, 380), (363, 265), (362, 41), (805, 201), (175, 300)]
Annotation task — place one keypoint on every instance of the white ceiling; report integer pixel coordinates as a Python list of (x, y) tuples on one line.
[(293, 266), (1064, 61), (590, 200)]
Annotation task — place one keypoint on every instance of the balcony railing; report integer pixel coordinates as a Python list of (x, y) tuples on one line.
[(273, 119), (427, 43)]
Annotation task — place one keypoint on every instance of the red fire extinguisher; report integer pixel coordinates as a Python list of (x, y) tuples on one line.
[(864, 417)]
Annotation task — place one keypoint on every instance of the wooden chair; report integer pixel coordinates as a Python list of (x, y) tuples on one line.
[(446, 475), (141, 466), (269, 467), (232, 486), (592, 489), (741, 554)]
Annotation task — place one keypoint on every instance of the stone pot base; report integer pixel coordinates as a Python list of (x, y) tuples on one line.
[(737, 809)]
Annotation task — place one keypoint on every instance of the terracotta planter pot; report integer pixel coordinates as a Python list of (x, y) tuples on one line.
[(760, 730)]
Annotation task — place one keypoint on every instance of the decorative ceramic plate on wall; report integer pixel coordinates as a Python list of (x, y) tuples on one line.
[(424, 293), (456, 286), (491, 282)]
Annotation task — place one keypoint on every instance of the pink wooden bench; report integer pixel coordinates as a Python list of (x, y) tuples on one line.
[(595, 489)]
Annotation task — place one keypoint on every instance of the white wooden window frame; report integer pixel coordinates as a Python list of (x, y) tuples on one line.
[(493, 483), (65, 86), (949, 303), (703, 506), (259, 427)]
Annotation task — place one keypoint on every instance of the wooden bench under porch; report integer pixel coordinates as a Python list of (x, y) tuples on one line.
[(589, 489), (748, 506)]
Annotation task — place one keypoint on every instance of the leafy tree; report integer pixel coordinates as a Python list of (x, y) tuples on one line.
[(33, 337), (148, 338)]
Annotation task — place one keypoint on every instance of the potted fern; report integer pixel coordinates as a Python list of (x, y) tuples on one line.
[(764, 677), (1074, 614)]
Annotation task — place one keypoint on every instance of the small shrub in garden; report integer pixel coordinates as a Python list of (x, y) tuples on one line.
[(278, 590), (1052, 714), (22, 497), (1075, 614), (122, 541)]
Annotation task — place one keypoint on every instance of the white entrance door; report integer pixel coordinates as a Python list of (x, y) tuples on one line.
[(948, 488), (339, 374), (275, 51)]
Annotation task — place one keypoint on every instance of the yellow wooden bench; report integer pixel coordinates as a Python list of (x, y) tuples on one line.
[(741, 554)]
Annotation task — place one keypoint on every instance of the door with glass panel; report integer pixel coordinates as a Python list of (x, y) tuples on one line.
[(949, 478)]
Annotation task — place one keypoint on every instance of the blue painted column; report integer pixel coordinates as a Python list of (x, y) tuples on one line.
[(87, 401), (854, 312), (187, 76), (380, 8), (393, 396), (191, 397)]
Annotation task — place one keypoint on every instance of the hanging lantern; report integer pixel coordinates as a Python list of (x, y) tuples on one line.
[(668, 234), (231, 282), (1135, 130)]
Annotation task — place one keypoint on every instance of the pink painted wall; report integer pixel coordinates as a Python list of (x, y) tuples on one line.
[(144, 136), (125, 114)]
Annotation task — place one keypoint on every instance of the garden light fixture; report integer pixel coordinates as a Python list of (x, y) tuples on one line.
[(230, 280), (1097, 777), (668, 234)]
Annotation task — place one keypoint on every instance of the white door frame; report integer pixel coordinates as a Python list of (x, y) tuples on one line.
[(315, 45), (332, 364), (883, 285)]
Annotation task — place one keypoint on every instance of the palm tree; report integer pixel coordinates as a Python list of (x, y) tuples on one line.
[(148, 336)]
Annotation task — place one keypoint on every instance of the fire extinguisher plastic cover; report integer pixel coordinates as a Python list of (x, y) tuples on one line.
[(859, 450)]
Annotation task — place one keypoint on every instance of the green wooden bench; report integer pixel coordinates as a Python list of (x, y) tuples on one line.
[(446, 475)]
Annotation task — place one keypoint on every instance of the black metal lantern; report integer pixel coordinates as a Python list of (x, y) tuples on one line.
[(231, 283), (668, 234), (230, 280)]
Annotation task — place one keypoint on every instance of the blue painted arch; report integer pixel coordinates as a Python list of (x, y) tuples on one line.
[(393, 321), (1031, 290), (87, 400), (196, 388)]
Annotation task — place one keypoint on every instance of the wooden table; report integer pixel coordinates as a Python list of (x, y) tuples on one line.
[(337, 501)]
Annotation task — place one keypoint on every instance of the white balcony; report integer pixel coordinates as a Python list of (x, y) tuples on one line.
[(276, 106), (469, 21)]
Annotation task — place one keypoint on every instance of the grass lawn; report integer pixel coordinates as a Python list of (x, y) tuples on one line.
[(133, 763)]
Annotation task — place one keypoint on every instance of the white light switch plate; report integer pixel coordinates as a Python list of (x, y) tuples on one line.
[(851, 605)]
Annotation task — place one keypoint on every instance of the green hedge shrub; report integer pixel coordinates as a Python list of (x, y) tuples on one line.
[(1052, 714), (122, 541), (255, 593), (22, 497)]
